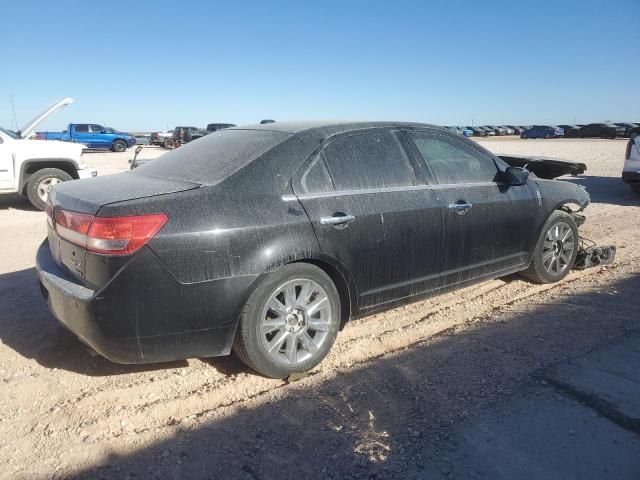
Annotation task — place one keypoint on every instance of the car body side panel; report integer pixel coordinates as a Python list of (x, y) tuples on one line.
[(550, 195)]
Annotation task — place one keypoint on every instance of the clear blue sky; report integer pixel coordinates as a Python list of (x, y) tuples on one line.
[(145, 65)]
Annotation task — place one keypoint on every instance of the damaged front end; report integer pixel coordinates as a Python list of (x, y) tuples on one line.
[(545, 167), (594, 256)]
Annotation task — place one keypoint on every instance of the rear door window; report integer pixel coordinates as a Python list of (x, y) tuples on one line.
[(451, 161), (315, 178), (82, 128), (369, 160)]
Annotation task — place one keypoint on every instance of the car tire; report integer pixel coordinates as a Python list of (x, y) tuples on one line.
[(555, 253), (635, 187), (119, 146), (40, 183), (275, 342)]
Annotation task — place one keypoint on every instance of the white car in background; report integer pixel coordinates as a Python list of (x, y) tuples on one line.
[(32, 167), (631, 170)]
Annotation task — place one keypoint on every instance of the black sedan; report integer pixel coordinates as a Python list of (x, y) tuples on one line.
[(601, 130), (267, 239), (570, 131)]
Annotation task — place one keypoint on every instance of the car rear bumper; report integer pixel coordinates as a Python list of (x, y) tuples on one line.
[(128, 323)]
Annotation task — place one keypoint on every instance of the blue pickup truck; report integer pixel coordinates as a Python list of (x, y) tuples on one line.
[(93, 136)]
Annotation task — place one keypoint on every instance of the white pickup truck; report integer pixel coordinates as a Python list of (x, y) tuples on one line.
[(32, 167)]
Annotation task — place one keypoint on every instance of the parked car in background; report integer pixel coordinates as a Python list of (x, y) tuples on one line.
[(631, 170), (162, 138), (183, 135), (570, 131), (214, 127), (142, 139), (634, 131), (517, 130), (542, 131), (456, 130), (496, 130), (628, 127), (267, 239), (467, 132), (93, 136), (508, 130), (32, 167), (601, 130), (477, 131)]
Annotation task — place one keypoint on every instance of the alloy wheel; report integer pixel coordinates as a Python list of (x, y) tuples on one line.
[(44, 187), (559, 245), (296, 321)]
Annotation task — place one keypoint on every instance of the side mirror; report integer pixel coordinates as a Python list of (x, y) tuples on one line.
[(515, 176)]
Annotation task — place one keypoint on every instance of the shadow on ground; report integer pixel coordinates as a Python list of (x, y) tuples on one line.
[(421, 413), (27, 326), (16, 202), (609, 190)]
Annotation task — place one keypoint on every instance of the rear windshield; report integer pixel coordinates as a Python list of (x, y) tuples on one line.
[(212, 158)]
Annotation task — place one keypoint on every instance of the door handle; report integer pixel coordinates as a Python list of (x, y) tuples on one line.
[(337, 220), (460, 208)]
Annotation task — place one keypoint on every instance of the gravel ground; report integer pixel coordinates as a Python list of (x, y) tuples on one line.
[(384, 404)]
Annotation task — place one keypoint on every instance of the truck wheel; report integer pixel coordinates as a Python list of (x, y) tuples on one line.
[(290, 321), (555, 251), (119, 146), (40, 184)]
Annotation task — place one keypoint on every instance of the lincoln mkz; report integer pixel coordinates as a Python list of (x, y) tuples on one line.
[(267, 239)]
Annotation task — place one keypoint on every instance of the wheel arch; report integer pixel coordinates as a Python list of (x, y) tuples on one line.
[(121, 140), (29, 167)]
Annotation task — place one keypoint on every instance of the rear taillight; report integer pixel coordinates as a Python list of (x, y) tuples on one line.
[(108, 235)]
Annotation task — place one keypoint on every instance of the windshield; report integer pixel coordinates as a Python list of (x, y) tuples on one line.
[(9, 133), (213, 158)]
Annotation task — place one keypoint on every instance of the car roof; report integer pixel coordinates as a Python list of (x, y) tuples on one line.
[(329, 128)]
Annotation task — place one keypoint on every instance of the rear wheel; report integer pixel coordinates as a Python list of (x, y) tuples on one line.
[(119, 146), (290, 322), (555, 251), (40, 184)]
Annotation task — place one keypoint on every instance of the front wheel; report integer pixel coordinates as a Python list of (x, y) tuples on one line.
[(40, 184), (119, 146), (290, 322), (556, 250)]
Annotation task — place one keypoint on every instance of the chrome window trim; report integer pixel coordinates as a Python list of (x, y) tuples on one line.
[(368, 191)]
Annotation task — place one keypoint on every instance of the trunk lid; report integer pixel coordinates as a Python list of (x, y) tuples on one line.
[(87, 197), (27, 130)]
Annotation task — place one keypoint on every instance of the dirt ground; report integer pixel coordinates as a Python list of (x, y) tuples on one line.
[(384, 403)]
